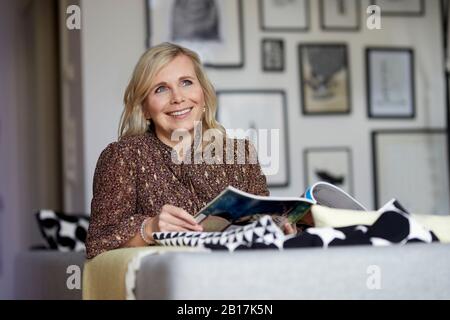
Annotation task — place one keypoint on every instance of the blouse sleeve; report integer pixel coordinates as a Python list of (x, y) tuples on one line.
[(114, 219), (257, 183)]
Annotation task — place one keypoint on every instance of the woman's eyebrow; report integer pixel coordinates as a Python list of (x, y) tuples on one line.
[(186, 77)]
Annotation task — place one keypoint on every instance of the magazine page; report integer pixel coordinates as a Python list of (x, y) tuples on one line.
[(233, 204), (328, 195)]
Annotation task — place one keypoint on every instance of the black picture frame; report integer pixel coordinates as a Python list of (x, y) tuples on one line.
[(344, 24), (410, 191), (407, 12), (230, 114), (392, 107), (272, 55), (283, 26), (330, 168), (332, 88), (218, 50)]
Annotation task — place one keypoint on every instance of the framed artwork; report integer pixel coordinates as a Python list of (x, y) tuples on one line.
[(212, 28), (324, 79), (340, 15), (272, 54), (244, 114), (284, 15), (390, 83), (329, 164), (401, 7), (413, 167)]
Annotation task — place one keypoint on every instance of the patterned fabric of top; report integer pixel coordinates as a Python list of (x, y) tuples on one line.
[(135, 177), (394, 226)]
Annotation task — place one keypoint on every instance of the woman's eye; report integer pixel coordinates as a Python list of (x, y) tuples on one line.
[(160, 89), (186, 82)]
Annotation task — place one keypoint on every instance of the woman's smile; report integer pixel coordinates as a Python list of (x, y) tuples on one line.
[(180, 114)]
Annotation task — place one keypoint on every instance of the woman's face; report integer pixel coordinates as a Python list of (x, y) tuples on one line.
[(175, 100)]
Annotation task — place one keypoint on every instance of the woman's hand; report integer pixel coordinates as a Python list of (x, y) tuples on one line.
[(289, 228), (170, 218), (173, 218)]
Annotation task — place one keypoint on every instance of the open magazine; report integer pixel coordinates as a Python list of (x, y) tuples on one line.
[(234, 207)]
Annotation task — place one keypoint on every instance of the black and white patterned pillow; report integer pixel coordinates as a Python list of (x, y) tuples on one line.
[(63, 232), (263, 233), (394, 226)]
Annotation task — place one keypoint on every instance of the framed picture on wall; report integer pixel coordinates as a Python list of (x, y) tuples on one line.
[(340, 15), (413, 167), (272, 54), (284, 15), (324, 79), (390, 83), (260, 116), (401, 7), (212, 28), (329, 164)]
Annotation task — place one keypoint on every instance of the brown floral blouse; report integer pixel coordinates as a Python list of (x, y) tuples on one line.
[(136, 176)]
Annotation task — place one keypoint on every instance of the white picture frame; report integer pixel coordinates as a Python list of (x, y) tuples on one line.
[(412, 166), (401, 8), (213, 29), (390, 83), (340, 15), (248, 109), (284, 16), (329, 164)]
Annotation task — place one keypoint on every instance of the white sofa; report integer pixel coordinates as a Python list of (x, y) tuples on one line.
[(413, 271)]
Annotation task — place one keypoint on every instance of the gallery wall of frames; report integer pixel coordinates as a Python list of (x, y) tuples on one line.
[(363, 109)]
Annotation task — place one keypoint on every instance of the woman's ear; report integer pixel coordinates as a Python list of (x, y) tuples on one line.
[(144, 111)]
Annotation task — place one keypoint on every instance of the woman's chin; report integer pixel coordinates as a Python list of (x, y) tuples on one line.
[(185, 124)]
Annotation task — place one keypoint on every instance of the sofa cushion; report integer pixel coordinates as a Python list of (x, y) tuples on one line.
[(63, 232)]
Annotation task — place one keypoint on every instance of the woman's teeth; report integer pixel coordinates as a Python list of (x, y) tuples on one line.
[(180, 113)]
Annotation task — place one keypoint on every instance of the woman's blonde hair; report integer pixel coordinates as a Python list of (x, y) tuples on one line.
[(133, 121)]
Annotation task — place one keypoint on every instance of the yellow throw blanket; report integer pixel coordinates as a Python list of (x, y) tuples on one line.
[(111, 275)]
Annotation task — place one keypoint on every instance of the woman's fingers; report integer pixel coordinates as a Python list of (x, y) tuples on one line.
[(172, 220), (289, 229), (177, 216), (180, 213), (172, 227)]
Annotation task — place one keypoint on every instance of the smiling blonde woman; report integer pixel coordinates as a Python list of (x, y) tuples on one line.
[(138, 189)]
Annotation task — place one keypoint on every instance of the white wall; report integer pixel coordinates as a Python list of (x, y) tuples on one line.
[(113, 37)]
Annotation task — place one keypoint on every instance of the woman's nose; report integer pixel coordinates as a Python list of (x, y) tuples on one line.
[(177, 96)]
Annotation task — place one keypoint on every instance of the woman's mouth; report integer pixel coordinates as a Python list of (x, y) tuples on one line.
[(180, 114)]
